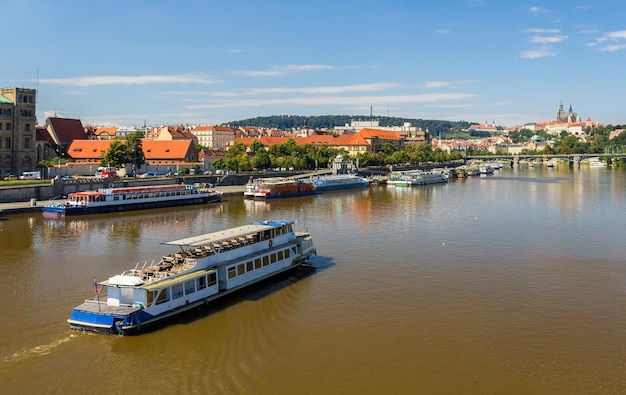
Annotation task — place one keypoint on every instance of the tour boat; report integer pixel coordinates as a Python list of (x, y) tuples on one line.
[(106, 200), (339, 181), (411, 178), (278, 187), (205, 268)]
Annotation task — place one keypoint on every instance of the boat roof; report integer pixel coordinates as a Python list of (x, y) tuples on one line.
[(146, 188), (239, 231)]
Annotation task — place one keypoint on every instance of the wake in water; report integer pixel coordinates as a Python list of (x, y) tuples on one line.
[(41, 350)]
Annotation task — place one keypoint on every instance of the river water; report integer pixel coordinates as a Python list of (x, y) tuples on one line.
[(511, 283)]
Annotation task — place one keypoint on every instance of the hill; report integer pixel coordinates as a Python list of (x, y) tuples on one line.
[(291, 122)]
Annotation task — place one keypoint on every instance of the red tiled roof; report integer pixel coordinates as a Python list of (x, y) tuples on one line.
[(153, 149), (67, 129)]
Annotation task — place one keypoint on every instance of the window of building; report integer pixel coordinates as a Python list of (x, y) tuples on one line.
[(7, 142), (27, 142), (9, 126), (27, 127)]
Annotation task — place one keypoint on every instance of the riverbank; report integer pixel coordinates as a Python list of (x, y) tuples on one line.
[(34, 206)]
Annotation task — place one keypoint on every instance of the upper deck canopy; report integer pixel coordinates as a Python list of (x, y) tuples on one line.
[(240, 231)]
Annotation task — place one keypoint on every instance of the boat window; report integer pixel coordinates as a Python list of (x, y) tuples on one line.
[(150, 298), (232, 272), (257, 263), (266, 260), (287, 255), (190, 287), (177, 291), (201, 283), (240, 269), (212, 278), (249, 266), (280, 255), (273, 258), (163, 296)]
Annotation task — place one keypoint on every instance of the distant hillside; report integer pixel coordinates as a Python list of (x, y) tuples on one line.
[(290, 122)]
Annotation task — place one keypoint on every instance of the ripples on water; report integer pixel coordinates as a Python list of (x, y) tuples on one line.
[(505, 284)]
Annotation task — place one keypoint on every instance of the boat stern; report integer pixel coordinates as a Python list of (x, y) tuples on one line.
[(93, 316)]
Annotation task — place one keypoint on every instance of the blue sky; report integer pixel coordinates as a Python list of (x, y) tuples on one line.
[(209, 62)]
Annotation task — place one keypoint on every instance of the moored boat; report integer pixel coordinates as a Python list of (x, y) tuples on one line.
[(204, 269), (485, 168), (278, 187), (106, 200), (412, 178), (339, 181)]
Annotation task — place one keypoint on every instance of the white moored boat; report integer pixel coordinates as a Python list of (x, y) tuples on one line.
[(205, 268), (107, 200)]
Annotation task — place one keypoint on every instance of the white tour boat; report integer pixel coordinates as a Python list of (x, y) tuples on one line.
[(205, 268), (106, 200)]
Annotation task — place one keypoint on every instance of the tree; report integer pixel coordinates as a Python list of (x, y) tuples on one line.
[(117, 155), (135, 150), (256, 145), (261, 160)]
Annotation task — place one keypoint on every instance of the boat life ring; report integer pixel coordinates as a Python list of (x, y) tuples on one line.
[(271, 242)]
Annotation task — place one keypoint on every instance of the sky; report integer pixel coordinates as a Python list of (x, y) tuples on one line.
[(130, 63)]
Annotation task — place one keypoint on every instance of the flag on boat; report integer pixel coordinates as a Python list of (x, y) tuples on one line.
[(95, 286)]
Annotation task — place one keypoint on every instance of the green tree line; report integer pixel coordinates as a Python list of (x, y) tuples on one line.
[(308, 156)]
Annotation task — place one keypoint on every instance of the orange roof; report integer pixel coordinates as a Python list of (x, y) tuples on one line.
[(381, 134), (152, 149)]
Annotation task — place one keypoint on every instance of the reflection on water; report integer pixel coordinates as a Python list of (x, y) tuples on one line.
[(512, 283)]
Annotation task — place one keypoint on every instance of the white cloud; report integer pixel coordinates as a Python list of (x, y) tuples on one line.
[(129, 80), (547, 39), (538, 10), (617, 34), (326, 89), (282, 70), (436, 84), (443, 31), (537, 53), (610, 42), (336, 100), (541, 31), (613, 48)]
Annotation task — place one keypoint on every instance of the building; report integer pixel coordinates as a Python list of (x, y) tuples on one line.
[(18, 124), (566, 117), (214, 137)]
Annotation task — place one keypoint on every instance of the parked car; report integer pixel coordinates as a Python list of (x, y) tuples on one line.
[(31, 175), (10, 177), (148, 175)]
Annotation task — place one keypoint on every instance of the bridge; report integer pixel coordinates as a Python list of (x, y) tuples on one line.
[(574, 159)]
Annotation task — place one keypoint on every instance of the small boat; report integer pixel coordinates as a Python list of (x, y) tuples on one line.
[(413, 178), (597, 163), (278, 187), (339, 181), (203, 269), (106, 200), (485, 169)]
